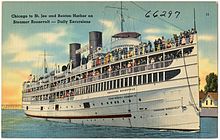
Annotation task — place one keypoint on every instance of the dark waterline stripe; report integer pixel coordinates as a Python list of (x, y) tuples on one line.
[(82, 117)]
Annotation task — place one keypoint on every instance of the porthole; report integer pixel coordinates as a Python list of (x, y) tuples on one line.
[(101, 103), (166, 114), (134, 117), (123, 101), (139, 99), (129, 110), (141, 117), (71, 106), (129, 100), (107, 102), (93, 104), (111, 102), (118, 102)]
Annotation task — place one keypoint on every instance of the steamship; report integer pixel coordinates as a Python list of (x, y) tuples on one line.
[(135, 84)]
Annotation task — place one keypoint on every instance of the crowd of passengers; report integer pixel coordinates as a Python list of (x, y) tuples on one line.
[(186, 37)]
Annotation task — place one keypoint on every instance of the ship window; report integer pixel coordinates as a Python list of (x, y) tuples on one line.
[(130, 81), (172, 73), (26, 107), (110, 85), (107, 85), (114, 84), (96, 87), (150, 78), (160, 76), (101, 103), (115, 102), (41, 108), (144, 79), (129, 100), (134, 80), (86, 105), (56, 107), (107, 102), (118, 83), (126, 82), (123, 101), (104, 85), (122, 82), (187, 51), (93, 86), (139, 79), (155, 77)]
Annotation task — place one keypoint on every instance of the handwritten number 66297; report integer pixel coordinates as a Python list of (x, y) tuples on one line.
[(157, 13)]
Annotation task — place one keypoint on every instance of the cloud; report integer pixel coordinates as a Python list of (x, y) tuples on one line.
[(152, 30), (51, 37), (14, 43), (109, 29), (24, 49), (206, 37)]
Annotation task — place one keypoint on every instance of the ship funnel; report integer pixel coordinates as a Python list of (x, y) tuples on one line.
[(95, 41), (75, 54)]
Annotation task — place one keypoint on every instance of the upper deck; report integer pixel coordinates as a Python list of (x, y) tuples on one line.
[(140, 57)]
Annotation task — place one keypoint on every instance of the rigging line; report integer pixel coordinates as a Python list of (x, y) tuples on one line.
[(138, 19), (158, 17), (190, 90), (171, 24)]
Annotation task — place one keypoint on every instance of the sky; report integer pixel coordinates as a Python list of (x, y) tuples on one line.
[(23, 44)]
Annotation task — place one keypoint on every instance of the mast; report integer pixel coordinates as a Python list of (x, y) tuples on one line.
[(122, 20), (45, 62), (194, 13)]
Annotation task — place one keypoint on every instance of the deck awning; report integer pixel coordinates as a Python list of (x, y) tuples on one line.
[(126, 35)]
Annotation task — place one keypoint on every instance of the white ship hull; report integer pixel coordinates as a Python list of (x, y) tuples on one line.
[(168, 104)]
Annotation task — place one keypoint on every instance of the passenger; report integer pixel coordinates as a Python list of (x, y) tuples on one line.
[(129, 67), (176, 38), (145, 48), (149, 44), (168, 43), (180, 39), (134, 63), (159, 44), (187, 37), (141, 50), (136, 50), (163, 42), (172, 42), (155, 44), (191, 38), (183, 40)]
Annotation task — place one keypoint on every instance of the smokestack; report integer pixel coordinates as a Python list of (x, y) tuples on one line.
[(95, 41), (75, 54)]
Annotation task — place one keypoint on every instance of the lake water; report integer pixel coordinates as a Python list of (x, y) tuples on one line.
[(16, 125)]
